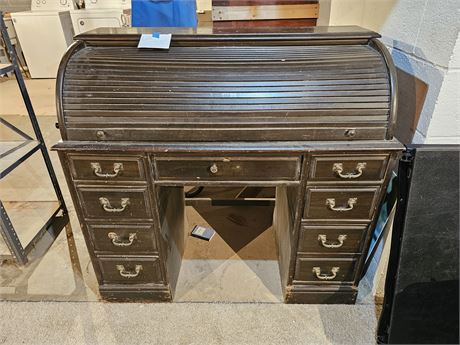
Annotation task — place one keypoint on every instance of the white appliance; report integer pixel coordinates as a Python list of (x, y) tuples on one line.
[(92, 4), (89, 19), (53, 5), (44, 33)]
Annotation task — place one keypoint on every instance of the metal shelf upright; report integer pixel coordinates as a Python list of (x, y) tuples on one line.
[(13, 153)]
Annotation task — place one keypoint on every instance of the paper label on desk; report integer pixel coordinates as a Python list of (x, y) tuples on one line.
[(157, 41)]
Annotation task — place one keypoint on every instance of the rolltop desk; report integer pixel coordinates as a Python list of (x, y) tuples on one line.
[(309, 111)]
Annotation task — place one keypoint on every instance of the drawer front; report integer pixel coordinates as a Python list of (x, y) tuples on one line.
[(341, 203), (348, 168), (115, 203), (120, 238), (325, 271), (106, 168), (340, 239), (141, 270), (230, 168)]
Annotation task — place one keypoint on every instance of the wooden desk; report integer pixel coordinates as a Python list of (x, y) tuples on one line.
[(308, 111)]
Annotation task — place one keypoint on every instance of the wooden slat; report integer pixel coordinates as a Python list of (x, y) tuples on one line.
[(217, 92), (264, 12)]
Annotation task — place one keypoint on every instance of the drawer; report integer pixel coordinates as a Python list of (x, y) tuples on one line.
[(124, 202), (133, 270), (325, 271), (339, 239), (341, 203), (120, 238), (106, 168), (228, 168), (348, 168)]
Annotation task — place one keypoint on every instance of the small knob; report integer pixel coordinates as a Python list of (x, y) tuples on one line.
[(350, 133), (213, 169), (100, 135)]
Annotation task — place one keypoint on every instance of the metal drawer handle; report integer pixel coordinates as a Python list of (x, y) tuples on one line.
[(117, 169), (350, 204), (340, 240), (105, 203), (213, 168), (129, 274), (337, 168), (325, 276), (120, 242)]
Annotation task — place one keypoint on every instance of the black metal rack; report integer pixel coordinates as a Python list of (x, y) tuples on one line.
[(13, 153)]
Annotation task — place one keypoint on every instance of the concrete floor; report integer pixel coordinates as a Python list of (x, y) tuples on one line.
[(215, 271)]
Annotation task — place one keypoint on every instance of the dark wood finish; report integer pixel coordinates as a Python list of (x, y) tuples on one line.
[(282, 132), (322, 168), (363, 209), (304, 270), (83, 168), (149, 272), (171, 213), (322, 295), (227, 168), (137, 208), (310, 242), (277, 108), (412, 94), (284, 224), (143, 241), (297, 91)]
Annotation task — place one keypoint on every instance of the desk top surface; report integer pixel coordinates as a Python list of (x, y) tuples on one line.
[(310, 32)]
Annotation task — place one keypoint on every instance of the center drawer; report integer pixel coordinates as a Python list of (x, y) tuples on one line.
[(228, 168)]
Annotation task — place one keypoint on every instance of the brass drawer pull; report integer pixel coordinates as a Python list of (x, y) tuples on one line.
[(129, 274), (97, 170), (105, 203), (337, 168), (213, 168), (340, 240), (325, 276), (350, 204), (120, 242)]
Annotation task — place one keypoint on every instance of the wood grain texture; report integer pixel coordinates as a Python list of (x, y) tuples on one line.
[(310, 243), (150, 272), (226, 87), (144, 241), (279, 108), (363, 210), (305, 274), (262, 11), (227, 168)]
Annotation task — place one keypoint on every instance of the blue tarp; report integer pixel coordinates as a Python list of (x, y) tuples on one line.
[(158, 13)]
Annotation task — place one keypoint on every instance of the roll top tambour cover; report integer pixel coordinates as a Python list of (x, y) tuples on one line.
[(322, 83)]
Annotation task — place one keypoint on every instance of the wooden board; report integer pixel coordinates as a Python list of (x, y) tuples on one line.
[(265, 12)]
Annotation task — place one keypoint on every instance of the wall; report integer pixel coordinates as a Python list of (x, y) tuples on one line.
[(14, 5), (422, 36)]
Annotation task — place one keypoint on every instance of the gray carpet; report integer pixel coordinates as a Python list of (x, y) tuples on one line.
[(184, 323)]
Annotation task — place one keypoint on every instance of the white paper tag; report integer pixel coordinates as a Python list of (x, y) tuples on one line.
[(155, 40)]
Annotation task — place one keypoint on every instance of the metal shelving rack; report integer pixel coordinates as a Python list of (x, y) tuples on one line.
[(13, 153)]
